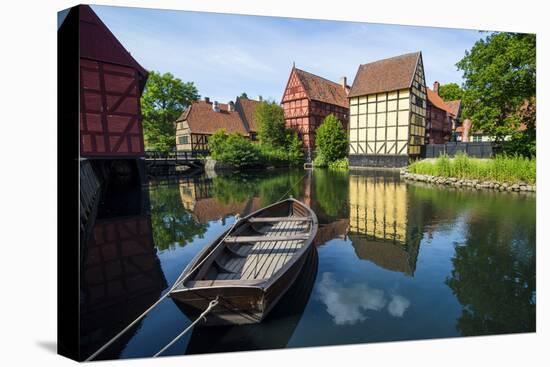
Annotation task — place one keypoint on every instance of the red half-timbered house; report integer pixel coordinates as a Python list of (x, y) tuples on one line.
[(441, 117), (111, 83), (308, 99)]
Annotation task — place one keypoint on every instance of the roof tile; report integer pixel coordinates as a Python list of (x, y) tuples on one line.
[(323, 90), (202, 119), (385, 75)]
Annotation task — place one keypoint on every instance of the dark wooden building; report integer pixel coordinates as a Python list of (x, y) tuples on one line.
[(308, 99), (111, 83)]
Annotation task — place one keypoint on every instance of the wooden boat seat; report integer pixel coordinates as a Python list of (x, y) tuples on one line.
[(278, 219), (258, 257), (241, 239)]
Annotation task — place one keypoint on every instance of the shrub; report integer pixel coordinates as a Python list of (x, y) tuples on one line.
[(233, 149), (340, 164), (331, 139), (216, 142), (320, 160), (294, 147)]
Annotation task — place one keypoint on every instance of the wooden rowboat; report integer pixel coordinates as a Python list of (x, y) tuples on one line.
[(250, 266)]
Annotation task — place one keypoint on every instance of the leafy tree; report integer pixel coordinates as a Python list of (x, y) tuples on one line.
[(233, 149), (271, 123), (216, 142), (294, 147), (164, 99), (451, 92), (500, 78), (244, 95), (331, 139)]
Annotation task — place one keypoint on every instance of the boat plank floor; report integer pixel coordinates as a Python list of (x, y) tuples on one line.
[(264, 258)]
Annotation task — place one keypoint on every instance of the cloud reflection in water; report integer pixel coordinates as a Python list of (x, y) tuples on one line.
[(347, 304)]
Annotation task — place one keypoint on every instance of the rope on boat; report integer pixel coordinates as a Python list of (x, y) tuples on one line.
[(177, 282), (211, 305)]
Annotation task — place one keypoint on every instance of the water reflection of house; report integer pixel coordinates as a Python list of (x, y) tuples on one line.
[(192, 190), (381, 229), (332, 230), (121, 277), (196, 197)]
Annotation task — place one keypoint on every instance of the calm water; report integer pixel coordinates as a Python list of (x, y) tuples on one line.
[(393, 261)]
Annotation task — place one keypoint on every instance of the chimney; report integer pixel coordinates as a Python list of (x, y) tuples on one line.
[(436, 87), (230, 106), (216, 106), (344, 82), (207, 100)]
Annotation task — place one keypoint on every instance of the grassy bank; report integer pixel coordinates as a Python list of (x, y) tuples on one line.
[(500, 168)]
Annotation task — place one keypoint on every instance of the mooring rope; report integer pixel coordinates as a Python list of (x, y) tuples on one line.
[(176, 283), (211, 305)]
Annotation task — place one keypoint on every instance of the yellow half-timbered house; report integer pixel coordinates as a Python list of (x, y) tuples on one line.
[(387, 112)]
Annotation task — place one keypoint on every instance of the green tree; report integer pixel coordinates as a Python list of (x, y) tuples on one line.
[(244, 95), (500, 78), (294, 147), (331, 139), (451, 92), (271, 123), (233, 149), (164, 99)]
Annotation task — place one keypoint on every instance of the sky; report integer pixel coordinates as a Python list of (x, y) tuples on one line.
[(226, 55)]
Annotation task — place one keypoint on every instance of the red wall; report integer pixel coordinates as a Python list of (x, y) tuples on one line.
[(305, 116), (110, 115), (438, 125)]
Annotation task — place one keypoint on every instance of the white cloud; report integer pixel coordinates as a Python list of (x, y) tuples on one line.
[(398, 305), (346, 303), (228, 54), (349, 303)]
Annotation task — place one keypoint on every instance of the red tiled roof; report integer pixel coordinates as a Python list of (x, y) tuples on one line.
[(247, 110), (385, 75), (437, 101), (322, 90), (454, 106), (202, 119)]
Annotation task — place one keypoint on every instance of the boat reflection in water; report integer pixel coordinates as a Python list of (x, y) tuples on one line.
[(275, 330), (382, 228)]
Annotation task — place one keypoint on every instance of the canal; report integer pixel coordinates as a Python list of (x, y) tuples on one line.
[(393, 261)]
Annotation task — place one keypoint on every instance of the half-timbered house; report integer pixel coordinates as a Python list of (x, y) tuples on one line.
[(308, 99), (387, 112), (203, 118), (439, 118), (111, 83)]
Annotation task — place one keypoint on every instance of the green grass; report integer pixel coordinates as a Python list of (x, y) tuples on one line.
[(501, 168)]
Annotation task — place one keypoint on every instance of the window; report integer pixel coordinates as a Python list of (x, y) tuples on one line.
[(183, 139), (477, 138)]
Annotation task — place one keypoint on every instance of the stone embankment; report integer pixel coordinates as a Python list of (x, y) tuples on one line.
[(469, 183)]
